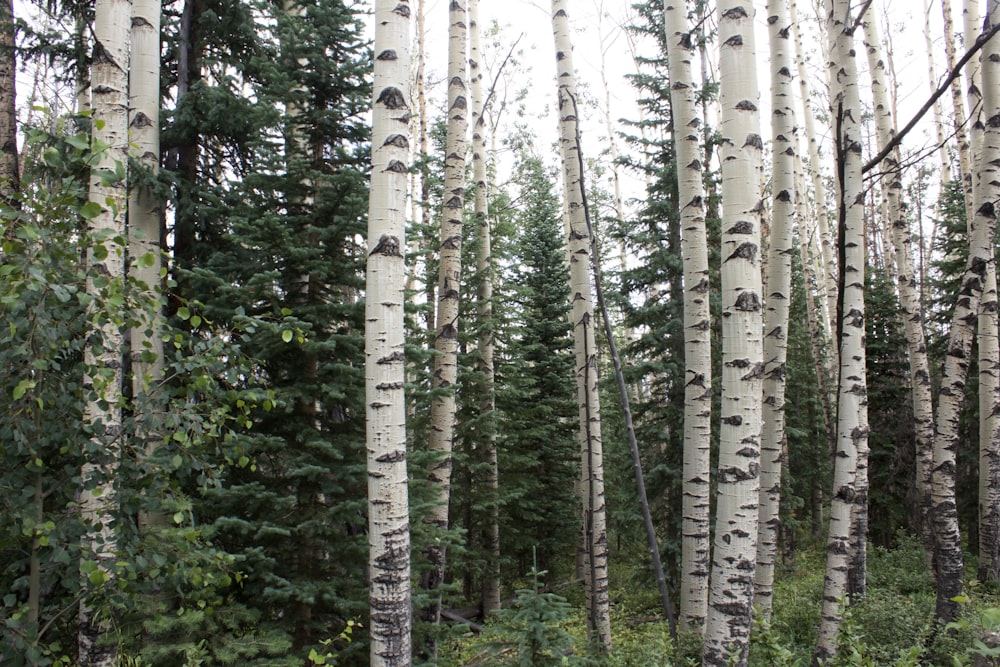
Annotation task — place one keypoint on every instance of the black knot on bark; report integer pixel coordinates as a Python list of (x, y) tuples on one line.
[(397, 140), (748, 301), (754, 141), (735, 420), (741, 227), (141, 120), (746, 105), (388, 54), (392, 98), (746, 250), (403, 10), (736, 13), (388, 245), (735, 40), (784, 196), (397, 167)]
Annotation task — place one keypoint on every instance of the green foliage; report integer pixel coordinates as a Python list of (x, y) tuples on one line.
[(535, 390)]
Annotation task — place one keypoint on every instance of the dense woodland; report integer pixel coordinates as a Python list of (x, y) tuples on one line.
[(309, 357)]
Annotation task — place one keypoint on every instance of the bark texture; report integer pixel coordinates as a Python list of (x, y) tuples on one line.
[(906, 279), (734, 555), (385, 371), (585, 346), (778, 298), (10, 181), (948, 545), (852, 420), (445, 372), (484, 310), (103, 383), (695, 540)]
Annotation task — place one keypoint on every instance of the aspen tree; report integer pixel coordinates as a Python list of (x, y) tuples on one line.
[(103, 379), (734, 553), (906, 278), (484, 310), (938, 114), (948, 552), (829, 259), (959, 119), (388, 506), (852, 419), (9, 168), (988, 338), (778, 297), (695, 540), (146, 342), (445, 370), (582, 317)]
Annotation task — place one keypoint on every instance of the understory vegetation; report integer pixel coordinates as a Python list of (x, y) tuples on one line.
[(892, 627)]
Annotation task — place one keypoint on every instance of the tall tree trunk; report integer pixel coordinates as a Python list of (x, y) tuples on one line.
[(385, 371), (10, 181), (695, 530), (778, 298), (445, 374), (948, 552), (734, 553), (932, 80), (582, 317), (959, 119), (829, 257), (907, 281), (484, 308), (103, 379), (988, 336), (852, 405)]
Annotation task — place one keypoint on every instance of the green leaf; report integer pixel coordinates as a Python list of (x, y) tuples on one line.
[(287, 335), (22, 388), (97, 577), (183, 313), (195, 321), (80, 141), (147, 260), (243, 462), (90, 210)]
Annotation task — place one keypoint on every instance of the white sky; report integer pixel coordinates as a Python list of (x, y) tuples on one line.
[(901, 24)]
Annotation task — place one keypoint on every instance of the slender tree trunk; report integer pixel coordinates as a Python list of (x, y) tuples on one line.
[(907, 281), (960, 119), (10, 180), (445, 374), (852, 406), (734, 553), (582, 317), (948, 552), (385, 370), (695, 540), (829, 257), (778, 297), (484, 308), (989, 452), (932, 80), (103, 380)]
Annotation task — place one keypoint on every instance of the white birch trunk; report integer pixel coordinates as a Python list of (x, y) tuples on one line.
[(932, 80), (445, 373), (852, 421), (988, 337), (778, 298), (582, 317), (695, 540), (907, 280), (829, 258), (734, 554), (385, 371), (484, 309), (948, 553), (103, 379), (959, 120)]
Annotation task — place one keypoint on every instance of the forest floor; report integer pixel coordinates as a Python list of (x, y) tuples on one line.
[(892, 627)]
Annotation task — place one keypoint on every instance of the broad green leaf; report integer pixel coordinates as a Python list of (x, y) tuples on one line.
[(90, 210), (184, 313), (287, 335)]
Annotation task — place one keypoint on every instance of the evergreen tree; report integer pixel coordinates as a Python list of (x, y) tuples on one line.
[(535, 397)]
